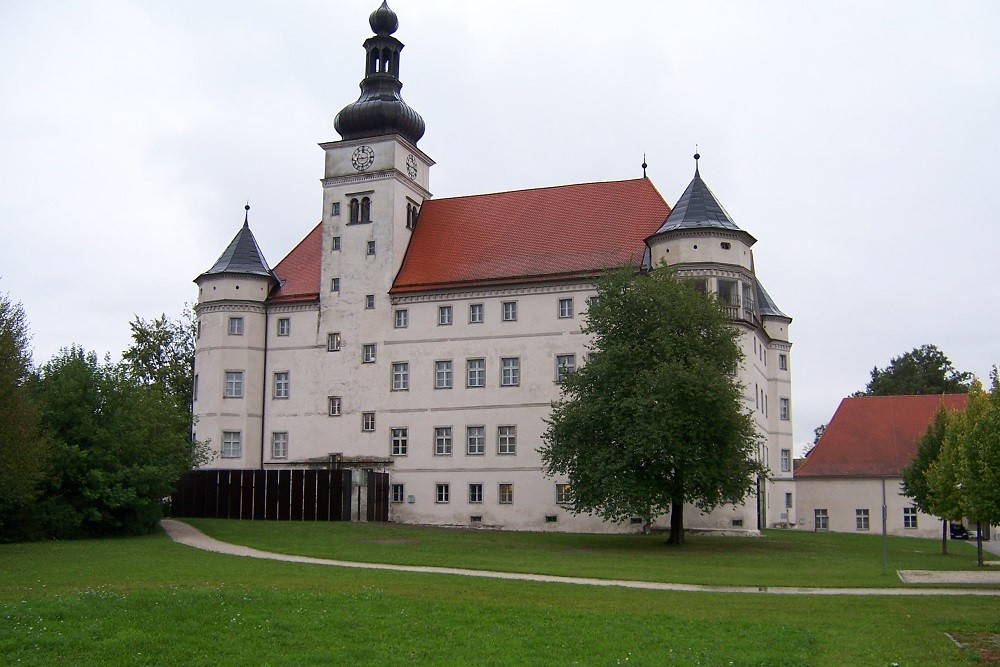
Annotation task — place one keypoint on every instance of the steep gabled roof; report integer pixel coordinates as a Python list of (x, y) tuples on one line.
[(874, 436), (698, 209), (242, 255), (530, 235), (299, 271)]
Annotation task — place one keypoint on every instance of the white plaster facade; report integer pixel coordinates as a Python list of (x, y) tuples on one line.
[(854, 505)]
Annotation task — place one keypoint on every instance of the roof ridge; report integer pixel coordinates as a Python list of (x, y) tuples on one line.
[(543, 187)]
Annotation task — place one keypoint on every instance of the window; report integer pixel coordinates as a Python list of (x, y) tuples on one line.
[(400, 376), (565, 364), (198, 330), (334, 284), (335, 208), (506, 439), (366, 209), (367, 421), (333, 405), (506, 494), (476, 372), (510, 311), (783, 362), (444, 315), (402, 318), (563, 494), (399, 438), (370, 248), (369, 301), (442, 441), (234, 384), (475, 493), (333, 342), (510, 371), (443, 493), (194, 388), (565, 308), (786, 460), (475, 440), (232, 444), (411, 215), (442, 374), (397, 493), (909, 517), (279, 445), (861, 520), (783, 408), (476, 313), (788, 501), (282, 386), (821, 520), (355, 211), (335, 247), (284, 326), (368, 353), (235, 326)]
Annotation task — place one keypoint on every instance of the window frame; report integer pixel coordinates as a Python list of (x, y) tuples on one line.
[(277, 436), (335, 284), (401, 318), (231, 439), (564, 493), (370, 248), (444, 374), (397, 493), (862, 519), (369, 302), (442, 493), (786, 460), (399, 438), (782, 361), (333, 341), (480, 373), (910, 518), (821, 519), (475, 434), (367, 422), (400, 376), (445, 316), (475, 493), (505, 493), (284, 326), (334, 406), (784, 409), (335, 244), (443, 441), (506, 440), (562, 370), (282, 388), (236, 325), (510, 371), (369, 353), (565, 308), (508, 311), (477, 313), (234, 388)]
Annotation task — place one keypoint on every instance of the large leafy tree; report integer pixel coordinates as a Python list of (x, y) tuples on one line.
[(922, 370), (941, 498), (981, 454), (162, 353), (654, 419)]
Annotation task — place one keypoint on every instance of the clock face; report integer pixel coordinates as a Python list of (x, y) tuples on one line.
[(411, 166), (363, 157)]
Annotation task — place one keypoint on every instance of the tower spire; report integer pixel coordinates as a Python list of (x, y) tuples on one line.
[(697, 157)]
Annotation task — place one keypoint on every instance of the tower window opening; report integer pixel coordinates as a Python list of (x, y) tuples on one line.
[(386, 57), (355, 211), (366, 210)]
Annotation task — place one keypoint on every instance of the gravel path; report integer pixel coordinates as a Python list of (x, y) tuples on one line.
[(183, 533)]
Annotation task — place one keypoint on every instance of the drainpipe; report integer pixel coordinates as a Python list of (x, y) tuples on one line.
[(263, 393)]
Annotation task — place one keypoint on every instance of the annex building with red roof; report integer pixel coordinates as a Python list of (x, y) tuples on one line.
[(424, 337), (860, 456)]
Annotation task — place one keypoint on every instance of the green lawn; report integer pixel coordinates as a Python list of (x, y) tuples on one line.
[(149, 601)]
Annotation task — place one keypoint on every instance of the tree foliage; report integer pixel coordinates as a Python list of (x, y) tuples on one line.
[(934, 493), (922, 370), (162, 353), (654, 419)]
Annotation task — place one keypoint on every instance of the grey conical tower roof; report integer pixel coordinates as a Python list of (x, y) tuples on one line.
[(242, 255), (698, 208)]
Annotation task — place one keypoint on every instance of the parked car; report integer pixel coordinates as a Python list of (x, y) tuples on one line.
[(959, 532)]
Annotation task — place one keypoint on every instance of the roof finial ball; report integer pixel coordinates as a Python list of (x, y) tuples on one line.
[(383, 20), (697, 157), (246, 216), (644, 165)]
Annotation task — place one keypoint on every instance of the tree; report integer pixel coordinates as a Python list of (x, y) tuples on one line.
[(24, 447), (162, 353), (654, 419), (922, 370), (934, 493), (981, 455)]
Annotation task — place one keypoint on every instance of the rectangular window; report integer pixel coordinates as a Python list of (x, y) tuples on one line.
[(442, 493), (235, 326), (821, 520), (783, 408), (399, 438), (284, 326), (476, 313), (475, 440), (510, 311), (786, 460), (335, 244), (333, 405), (565, 308), (333, 342), (783, 362), (400, 376), (443, 374), (369, 301), (367, 422), (334, 284), (232, 444), (398, 494), (862, 519), (335, 208), (565, 364), (476, 372), (402, 318), (510, 371), (788, 501), (234, 384), (198, 330), (368, 353), (279, 445), (563, 496), (909, 517), (442, 441), (506, 439), (444, 315), (475, 493), (194, 388), (282, 385), (370, 248), (505, 493)]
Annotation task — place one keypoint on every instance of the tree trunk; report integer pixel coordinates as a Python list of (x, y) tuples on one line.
[(944, 537), (676, 523), (979, 542)]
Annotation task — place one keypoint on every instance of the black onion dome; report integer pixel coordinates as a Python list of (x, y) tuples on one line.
[(380, 110)]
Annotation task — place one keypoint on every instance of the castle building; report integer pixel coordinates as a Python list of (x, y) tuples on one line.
[(425, 337)]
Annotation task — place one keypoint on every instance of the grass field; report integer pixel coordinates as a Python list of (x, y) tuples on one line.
[(149, 601)]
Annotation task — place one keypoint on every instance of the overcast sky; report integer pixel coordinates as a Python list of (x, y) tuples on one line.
[(857, 141)]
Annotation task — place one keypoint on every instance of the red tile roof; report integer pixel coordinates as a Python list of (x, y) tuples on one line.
[(872, 436), (530, 235), (299, 271)]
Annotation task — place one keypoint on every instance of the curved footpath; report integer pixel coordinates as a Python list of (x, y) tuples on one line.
[(183, 533)]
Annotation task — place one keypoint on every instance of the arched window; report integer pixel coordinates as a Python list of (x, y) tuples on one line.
[(366, 209), (386, 58), (373, 61), (355, 211)]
